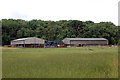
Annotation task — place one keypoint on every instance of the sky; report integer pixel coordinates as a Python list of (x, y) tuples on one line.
[(83, 10)]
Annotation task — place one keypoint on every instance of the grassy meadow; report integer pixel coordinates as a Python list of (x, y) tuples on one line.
[(100, 62)]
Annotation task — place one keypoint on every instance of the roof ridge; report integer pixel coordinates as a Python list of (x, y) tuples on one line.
[(86, 38)]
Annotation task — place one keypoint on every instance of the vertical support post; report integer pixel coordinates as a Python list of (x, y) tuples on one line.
[(24, 43), (89, 43), (70, 43)]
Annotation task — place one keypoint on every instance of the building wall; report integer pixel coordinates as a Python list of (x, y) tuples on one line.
[(66, 41), (40, 41), (85, 41), (17, 42), (99, 42), (34, 41)]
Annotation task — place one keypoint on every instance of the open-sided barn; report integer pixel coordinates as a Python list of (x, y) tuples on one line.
[(85, 42), (28, 42)]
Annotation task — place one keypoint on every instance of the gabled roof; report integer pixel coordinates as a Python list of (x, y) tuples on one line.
[(85, 39), (22, 39)]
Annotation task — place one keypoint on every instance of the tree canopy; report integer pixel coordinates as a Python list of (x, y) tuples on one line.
[(58, 30)]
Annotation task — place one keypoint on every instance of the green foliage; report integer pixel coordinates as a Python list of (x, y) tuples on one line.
[(51, 30)]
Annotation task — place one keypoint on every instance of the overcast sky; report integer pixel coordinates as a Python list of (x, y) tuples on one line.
[(84, 10)]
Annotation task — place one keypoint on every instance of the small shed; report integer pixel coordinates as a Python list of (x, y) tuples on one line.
[(55, 44), (28, 42), (79, 42)]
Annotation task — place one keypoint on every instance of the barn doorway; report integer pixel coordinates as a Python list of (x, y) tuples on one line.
[(80, 45)]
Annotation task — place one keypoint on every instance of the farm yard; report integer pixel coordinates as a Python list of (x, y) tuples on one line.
[(77, 62)]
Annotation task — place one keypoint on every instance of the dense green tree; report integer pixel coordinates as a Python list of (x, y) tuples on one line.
[(58, 30)]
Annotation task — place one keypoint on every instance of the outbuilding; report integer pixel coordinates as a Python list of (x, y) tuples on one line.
[(55, 44), (80, 42), (28, 42)]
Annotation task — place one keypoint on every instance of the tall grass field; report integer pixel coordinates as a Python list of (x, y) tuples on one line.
[(82, 62)]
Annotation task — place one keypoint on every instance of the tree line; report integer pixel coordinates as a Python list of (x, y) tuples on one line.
[(58, 30)]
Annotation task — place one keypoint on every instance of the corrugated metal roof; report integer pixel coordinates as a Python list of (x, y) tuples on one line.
[(20, 39), (85, 38)]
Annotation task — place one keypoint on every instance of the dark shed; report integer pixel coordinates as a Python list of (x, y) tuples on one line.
[(55, 44)]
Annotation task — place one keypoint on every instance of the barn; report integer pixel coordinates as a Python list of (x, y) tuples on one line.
[(80, 42), (28, 42)]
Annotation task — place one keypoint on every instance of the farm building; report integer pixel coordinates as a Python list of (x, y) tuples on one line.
[(80, 42), (28, 42), (55, 44)]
